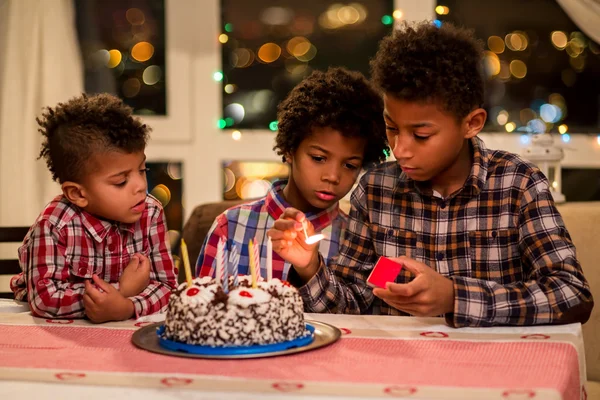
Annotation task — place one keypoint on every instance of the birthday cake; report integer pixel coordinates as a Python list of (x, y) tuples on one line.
[(203, 313)]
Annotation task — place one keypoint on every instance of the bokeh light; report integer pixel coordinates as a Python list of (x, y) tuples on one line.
[(559, 39), (236, 135), (269, 52), (142, 51), (135, 16), (162, 193), (131, 87), (562, 129), (230, 88), (387, 20), (511, 126), (502, 117), (442, 10), (348, 15), (114, 58), (491, 63), (242, 58), (235, 111), (174, 170), (152, 75), (518, 69), (218, 76), (496, 44), (223, 38)]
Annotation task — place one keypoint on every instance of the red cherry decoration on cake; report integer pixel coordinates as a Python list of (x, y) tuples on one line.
[(285, 283), (192, 291), (245, 293)]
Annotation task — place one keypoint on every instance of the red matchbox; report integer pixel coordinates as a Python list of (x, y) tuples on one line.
[(384, 271)]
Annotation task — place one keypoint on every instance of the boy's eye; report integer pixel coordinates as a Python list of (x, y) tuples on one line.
[(121, 184), (390, 128), (144, 170), (352, 167), (418, 137), (318, 158)]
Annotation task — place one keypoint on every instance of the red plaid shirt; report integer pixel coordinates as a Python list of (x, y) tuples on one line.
[(66, 246)]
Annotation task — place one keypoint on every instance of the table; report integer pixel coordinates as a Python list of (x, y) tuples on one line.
[(377, 357)]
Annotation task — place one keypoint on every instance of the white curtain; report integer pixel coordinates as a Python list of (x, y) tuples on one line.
[(585, 14), (40, 65)]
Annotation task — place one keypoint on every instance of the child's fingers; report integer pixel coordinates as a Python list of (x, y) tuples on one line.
[(102, 284), (292, 213), (87, 301), (92, 292), (287, 225), (279, 245), (134, 262), (275, 234)]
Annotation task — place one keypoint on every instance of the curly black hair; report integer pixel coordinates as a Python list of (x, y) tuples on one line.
[(421, 62), (74, 131), (339, 99)]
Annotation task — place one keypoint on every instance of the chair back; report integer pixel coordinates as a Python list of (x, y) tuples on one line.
[(196, 228), (10, 267)]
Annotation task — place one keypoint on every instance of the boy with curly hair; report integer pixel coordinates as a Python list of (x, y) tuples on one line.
[(475, 230), (329, 128), (100, 249)]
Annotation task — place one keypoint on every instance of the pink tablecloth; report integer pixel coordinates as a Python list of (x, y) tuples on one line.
[(367, 361)]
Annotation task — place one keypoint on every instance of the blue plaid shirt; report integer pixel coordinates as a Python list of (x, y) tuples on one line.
[(252, 220)]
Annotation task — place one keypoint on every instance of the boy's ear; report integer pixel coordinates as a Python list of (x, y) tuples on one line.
[(288, 158), (474, 122), (75, 193)]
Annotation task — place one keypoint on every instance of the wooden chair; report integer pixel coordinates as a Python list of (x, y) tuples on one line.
[(10, 267)]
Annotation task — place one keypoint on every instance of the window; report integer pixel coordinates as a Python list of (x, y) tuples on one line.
[(542, 71), (579, 184), (269, 46), (250, 179), (165, 183), (123, 48)]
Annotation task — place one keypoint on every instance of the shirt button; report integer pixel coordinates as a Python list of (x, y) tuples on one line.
[(440, 256), (494, 234), (390, 232), (42, 282), (443, 205), (82, 270), (111, 247)]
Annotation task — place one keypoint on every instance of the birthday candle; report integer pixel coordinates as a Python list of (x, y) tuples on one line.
[(269, 259), (252, 264), (234, 261), (221, 273), (256, 261), (186, 263)]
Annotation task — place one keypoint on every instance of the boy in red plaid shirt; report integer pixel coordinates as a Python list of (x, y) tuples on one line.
[(100, 249)]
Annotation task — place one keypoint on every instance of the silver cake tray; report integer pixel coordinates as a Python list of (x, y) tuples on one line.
[(147, 339)]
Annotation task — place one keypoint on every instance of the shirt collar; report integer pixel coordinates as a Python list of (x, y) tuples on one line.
[(276, 205), (99, 228), (474, 182)]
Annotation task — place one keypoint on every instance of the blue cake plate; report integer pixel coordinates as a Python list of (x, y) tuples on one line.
[(235, 350)]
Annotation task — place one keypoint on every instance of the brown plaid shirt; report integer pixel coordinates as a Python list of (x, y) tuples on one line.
[(499, 238)]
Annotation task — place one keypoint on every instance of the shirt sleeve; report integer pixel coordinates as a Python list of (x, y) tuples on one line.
[(162, 270), (554, 291), (50, 292), (341, 287), (205, 265)]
